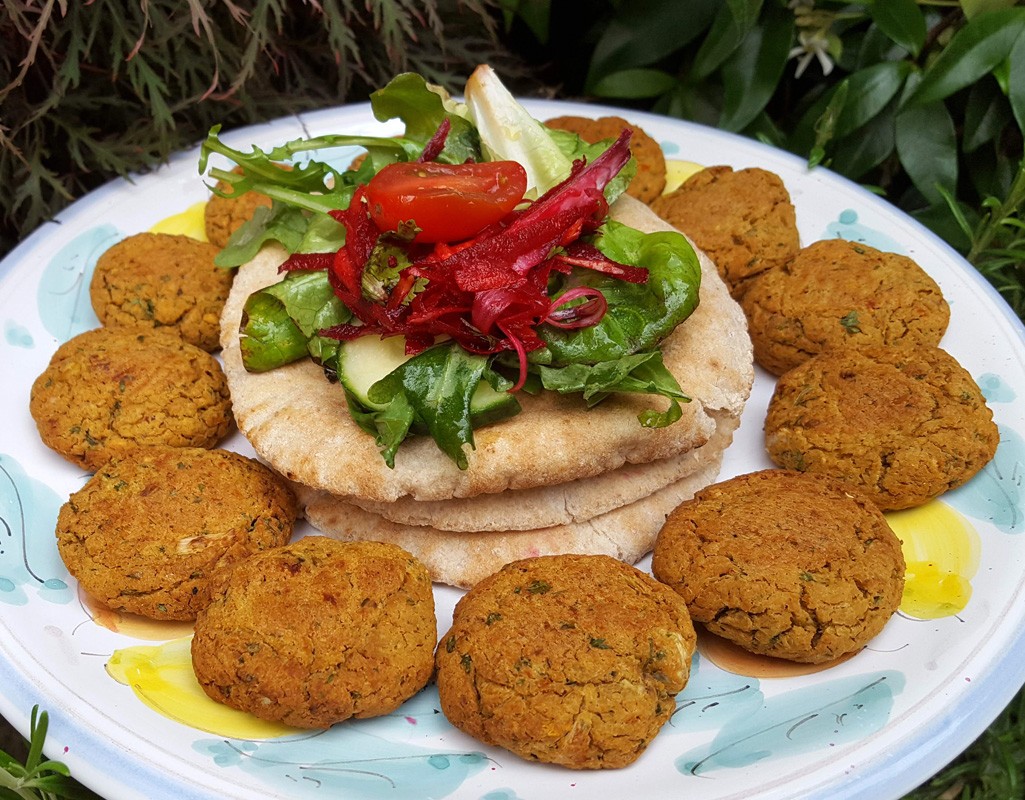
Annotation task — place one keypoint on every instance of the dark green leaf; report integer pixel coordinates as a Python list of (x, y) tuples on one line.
[(645, 31), (974, 51), (438, 385), (856, 154), (869, 92), (873, 47), (1016, 88), (594, 381), (901, 20), (991, 173), (536, 15), (634, 83), (752, 73), (641, 373), (731, 25), (986, 114), (927, 146), (389, 425), (701, 103)]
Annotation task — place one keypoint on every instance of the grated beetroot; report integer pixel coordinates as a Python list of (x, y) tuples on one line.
[(489, 293)]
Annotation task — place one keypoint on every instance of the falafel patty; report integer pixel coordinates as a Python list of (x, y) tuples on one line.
[(784, 564), (108, 390), (572, 659), (161, 280), (149, 528), (837, 293), (317, 631), (902, 424), (742, 218)]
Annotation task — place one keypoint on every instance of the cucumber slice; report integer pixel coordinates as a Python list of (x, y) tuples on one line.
[(364, 361)]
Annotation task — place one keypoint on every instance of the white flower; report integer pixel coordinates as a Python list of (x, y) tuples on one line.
[(812, 44)]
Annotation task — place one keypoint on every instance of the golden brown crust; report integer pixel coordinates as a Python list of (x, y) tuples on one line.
[(743, 219), (572, 660), (225, 215), (836, 293), (785, 564), (317, 632), (146, 532), (902, 424), (650, 179), (158, 280), (109, 390)]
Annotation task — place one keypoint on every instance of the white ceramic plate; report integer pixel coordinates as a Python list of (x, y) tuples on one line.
[(872, 727)]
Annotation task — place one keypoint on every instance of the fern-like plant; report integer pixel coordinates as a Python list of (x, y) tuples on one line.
[(93, 90)]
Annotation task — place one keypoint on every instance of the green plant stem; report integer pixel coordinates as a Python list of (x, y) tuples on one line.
[(996, 221)]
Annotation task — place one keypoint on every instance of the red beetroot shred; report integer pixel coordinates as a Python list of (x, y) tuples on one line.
[(489, 293)]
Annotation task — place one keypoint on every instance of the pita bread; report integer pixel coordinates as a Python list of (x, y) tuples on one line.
[(462, 559), (298, 422), (561, 504)]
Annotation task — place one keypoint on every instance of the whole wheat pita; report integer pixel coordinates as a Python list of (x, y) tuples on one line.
[(298, 422), (560, 504), (462, 559)]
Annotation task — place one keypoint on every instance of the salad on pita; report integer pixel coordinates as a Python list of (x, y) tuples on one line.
[(469, 259)]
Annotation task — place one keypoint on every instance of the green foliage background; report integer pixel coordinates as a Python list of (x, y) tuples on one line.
[(922, 100), (92, 90)]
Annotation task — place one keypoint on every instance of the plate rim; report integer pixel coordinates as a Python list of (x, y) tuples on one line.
[(946, 744)]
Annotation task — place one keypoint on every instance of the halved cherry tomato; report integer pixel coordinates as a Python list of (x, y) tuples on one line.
[(447, 202)]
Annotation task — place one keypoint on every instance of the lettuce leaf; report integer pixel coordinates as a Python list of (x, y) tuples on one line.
[(389, 425), (640, 315), (643, 373), (268, 336), (509, 133), (422, 108), (279, 223), (280, 322), (438, 385)]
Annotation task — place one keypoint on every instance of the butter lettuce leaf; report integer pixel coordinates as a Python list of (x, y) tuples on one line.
[(640, 315)]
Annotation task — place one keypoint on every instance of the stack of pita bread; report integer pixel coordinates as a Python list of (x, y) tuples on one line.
[(556, 478)]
